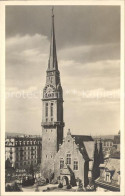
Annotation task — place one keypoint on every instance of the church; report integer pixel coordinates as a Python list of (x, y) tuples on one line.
[(69, 157)]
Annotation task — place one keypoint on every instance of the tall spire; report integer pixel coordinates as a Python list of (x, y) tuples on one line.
[(53, 65)]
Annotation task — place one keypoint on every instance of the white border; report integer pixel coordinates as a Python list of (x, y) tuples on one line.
[(2, 62)]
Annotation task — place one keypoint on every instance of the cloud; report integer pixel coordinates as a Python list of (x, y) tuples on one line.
[(26, 56), (26, 64), (74, 25), (91, 53), (101, 74)]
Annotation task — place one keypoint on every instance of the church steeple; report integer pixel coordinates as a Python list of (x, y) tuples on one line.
[(53, 64), (52, 112)]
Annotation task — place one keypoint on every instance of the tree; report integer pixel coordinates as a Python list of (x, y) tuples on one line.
[(13, 188), (95, 171), (73, 180), (9, 171), (50, 175), (8, 164), (37, 169), (31, 170), (101, 156)]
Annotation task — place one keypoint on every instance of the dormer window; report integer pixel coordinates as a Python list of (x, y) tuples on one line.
[(108, 177)]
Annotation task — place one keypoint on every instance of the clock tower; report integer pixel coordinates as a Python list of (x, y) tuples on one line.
[(52, 110)]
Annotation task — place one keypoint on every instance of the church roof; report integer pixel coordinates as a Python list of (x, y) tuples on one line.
[(79, 140), (82, 138), (90, 146)]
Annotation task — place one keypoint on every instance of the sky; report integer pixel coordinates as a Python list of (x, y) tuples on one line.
[(88, 52)]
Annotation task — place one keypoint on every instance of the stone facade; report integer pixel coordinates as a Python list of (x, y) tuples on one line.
[(67, 159), (69, 151), (74, 160), (52, 112)]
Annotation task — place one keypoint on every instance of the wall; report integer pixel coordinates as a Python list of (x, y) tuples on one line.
[(69, 146)]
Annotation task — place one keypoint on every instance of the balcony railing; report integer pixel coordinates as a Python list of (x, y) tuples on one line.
[(52, 123)]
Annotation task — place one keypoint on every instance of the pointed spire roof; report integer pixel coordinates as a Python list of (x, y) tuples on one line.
[(53, 64)]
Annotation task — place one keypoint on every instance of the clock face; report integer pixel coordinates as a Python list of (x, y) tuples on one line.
[(49, 91)]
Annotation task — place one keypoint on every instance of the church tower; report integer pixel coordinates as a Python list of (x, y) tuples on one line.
[(52, 110)]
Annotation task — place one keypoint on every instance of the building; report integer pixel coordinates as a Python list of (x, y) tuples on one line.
[(109, 179), (64, 158), (23, 151), (107, 144), (52, 112), (75, 159), (116, 142)]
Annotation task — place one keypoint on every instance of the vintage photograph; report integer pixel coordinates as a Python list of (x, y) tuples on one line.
[(62, 96)]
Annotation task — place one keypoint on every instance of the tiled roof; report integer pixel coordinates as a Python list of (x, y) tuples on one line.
[(82, 138), (113, 164), (90, 146), (115, 154), (85, 149), (107, 185)]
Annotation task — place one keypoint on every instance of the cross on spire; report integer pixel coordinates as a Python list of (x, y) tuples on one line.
[(52, 10)]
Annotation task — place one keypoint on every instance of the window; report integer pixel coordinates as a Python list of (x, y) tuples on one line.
[(75, 165), (51, 119), (61, 164), (51, 109), (68, 160), (46, 109)]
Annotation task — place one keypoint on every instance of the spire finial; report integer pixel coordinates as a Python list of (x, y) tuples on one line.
[(52, 11), (68, 133)]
